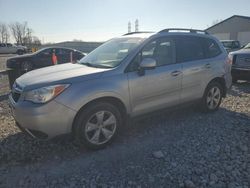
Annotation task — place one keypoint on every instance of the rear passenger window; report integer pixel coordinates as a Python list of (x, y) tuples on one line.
[(189, 48), (211, 48)]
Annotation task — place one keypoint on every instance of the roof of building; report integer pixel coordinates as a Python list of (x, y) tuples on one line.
[(244, 17)]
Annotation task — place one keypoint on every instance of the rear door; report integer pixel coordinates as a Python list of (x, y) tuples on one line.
[(195, 67), (159, 87)]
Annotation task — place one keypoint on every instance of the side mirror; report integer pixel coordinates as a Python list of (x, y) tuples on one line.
[(148, 63)]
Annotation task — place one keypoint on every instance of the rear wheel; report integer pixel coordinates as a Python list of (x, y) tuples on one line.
[(212, 97), (97, 125)]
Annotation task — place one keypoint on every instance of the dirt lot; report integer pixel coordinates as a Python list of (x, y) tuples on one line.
[(181, 148)]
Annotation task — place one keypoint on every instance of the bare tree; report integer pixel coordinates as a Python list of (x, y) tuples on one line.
[(27, 40), (36, 41), (4, 33), (19, 31)]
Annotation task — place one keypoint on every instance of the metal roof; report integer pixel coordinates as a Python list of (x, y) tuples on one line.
[(244, 17)]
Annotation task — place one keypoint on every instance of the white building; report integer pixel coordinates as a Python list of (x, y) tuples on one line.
[(233, 28)]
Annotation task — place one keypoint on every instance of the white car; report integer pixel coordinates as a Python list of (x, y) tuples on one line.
[(7, 48)]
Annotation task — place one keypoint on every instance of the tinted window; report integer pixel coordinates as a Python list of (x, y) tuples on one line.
[(236, 44), (2, 45), (189, 48), (211, 48), (45, 52)]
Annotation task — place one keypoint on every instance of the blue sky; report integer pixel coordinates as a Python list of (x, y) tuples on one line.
[(99, 20)]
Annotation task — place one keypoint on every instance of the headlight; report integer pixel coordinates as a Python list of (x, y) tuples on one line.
[(44, 94)]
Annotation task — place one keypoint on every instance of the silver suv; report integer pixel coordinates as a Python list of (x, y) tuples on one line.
[(125, 77)]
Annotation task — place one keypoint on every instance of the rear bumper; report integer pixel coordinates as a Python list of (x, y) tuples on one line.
[(42, 121), (241, 73)]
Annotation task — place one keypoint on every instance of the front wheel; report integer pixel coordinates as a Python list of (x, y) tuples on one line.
[(212, 97), (26, 66), (97, 125)]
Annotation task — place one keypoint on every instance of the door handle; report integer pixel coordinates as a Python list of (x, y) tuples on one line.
[(175, 73), (208, 66)]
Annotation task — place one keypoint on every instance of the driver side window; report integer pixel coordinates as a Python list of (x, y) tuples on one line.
[(146, 52), (162, 50)]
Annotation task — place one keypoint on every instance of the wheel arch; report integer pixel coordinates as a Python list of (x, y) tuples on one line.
[(112, 100), (222, 82)]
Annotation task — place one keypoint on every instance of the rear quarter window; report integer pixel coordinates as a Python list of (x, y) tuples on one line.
[(211, 47)]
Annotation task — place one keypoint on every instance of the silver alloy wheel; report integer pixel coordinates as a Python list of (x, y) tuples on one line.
[(100, 127), (213, 97)]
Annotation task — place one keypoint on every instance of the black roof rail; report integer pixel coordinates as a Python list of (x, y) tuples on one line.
[(137, 32), (183, 29)]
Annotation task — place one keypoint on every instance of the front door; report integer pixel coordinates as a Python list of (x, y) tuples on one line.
[(159, 87), (44, 58)]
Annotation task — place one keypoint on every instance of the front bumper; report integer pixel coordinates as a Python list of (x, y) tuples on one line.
[(42, 121)]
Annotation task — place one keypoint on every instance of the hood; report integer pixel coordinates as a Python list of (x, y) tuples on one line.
[(241, 51), (58, 74), (12, 62)]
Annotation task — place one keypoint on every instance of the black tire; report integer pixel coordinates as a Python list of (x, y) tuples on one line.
[(26, 66), (20, 52), (88, 114), (205, 104)]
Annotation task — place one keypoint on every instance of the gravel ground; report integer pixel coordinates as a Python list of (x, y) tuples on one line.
[(3, 58), (180, 148)]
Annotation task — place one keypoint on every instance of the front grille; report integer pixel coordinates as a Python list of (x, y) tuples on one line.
[(242, 60), (15, 96)]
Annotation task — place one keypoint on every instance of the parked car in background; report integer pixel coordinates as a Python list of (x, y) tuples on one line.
[(7, 48), (43, 58), (19, 65), (125, 77), (241, 64), (231, 45)]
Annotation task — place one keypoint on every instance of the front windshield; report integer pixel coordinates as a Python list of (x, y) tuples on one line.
[(111, 53), (247, 46)]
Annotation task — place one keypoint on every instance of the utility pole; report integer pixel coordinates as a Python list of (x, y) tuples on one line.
[(129, 27), (136, 25)]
